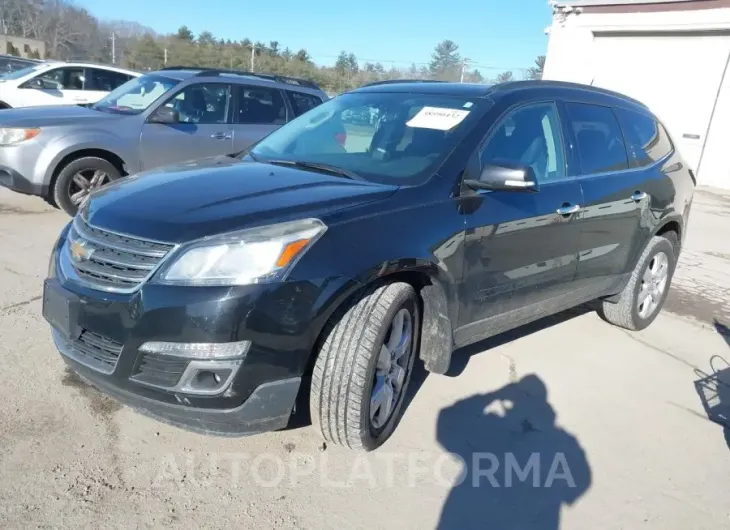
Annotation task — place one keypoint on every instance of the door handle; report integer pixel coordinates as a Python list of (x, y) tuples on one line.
[(639, 196), (221, 136), (568, 210)]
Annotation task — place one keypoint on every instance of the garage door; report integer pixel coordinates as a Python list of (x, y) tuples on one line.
[(676, 75)]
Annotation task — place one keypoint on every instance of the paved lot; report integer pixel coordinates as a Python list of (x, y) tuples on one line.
[(620, 433)]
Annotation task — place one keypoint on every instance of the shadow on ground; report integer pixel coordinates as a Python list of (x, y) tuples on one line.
[(714, 387), (520, 466)]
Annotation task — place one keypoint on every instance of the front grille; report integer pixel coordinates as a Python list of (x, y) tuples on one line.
[(161, 371), (93, 350), (110, 261)]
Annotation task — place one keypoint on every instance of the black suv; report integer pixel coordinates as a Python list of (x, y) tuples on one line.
[(332, 253)]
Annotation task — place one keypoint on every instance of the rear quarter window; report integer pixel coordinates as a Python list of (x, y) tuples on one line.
[(646, 140), (301, 102)]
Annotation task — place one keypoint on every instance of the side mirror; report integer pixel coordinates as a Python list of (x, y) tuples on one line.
[(165, 115), (35, 83), (503, 175)]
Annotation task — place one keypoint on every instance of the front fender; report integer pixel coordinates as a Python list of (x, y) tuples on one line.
[(60, 148)]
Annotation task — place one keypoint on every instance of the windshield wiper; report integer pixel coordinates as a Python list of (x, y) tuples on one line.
[(241, 154), (334, 170)]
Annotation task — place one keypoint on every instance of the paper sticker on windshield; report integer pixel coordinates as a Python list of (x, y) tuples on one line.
[(437, 118)]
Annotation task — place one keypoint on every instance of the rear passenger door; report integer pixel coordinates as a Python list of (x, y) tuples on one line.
[(615, 195), (99, 82), (257, 111), (203, 129)]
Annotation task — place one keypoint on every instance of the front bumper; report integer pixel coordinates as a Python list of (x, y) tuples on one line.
[(23, 168), (11, 179), (268, 408), (281, 322)]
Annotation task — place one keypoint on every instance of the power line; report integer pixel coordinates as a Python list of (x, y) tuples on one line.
[(471, 64)]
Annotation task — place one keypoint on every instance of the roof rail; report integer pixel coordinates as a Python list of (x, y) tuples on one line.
[(181, 68), (565, 84), (209, 72), (393, 81)]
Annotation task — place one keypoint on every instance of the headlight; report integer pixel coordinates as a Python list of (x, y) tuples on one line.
[(54, 249), (251, 256), (12, 136)]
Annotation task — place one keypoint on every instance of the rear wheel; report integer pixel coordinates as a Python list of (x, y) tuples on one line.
[(364, 365), (79, 178), (643, 297)]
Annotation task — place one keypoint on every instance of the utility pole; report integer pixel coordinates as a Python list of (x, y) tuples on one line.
[(253, 55), (114, 48), (165, 59), (464, 63)]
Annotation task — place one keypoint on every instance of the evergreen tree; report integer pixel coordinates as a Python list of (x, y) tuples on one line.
[(184, 33), (536, 71), (445, 61)]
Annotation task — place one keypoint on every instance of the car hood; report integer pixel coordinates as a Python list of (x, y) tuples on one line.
[(53, 115), (212, 196)]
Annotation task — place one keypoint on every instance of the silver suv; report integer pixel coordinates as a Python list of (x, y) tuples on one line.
[(160, 118)]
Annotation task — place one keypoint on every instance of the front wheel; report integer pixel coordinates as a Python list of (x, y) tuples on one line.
[(643, 297), (79, 178), (364, 365)]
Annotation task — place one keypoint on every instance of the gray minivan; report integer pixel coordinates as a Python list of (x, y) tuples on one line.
[(160, 118)]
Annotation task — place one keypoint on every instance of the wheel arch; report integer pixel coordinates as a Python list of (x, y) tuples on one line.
[(107, 155), (673, 224), (436, 330)]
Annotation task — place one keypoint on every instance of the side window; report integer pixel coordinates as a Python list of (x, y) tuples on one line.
[(69, 78), (647, 141), (301, 103), (204, 103), (104, 80), (530, 136), (599, 139), (259, 106)]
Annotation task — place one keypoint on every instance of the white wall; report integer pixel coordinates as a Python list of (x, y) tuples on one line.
[(577, 52)]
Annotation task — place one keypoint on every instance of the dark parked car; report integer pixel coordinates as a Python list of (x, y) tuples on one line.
[(11, 63), (210, 295)]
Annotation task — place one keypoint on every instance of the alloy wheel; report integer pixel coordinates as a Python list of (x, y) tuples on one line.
[(391, 369), (84, 182), (653, 284)]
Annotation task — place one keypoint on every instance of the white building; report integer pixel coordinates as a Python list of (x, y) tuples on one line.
[(671, 54)]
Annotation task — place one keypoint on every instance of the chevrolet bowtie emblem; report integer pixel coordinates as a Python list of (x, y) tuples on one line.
[(80, 252)]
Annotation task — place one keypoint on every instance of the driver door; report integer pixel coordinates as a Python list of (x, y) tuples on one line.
[(203, 129), (521, 250), (59, 86)]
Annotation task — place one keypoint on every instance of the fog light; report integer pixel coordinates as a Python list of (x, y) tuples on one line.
[(198, 350), (207, 378)]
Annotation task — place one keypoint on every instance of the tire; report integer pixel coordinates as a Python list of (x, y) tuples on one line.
[(625, 313), (347, 366), (65, 186)]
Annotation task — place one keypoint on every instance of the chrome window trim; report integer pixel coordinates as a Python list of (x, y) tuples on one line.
[(629, 170)]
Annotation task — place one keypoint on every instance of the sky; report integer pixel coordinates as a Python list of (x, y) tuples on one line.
[(499, 34)]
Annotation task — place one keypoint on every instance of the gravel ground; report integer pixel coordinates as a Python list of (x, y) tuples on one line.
[(607, 427)]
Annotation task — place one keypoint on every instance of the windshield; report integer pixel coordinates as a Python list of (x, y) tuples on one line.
[(393, 138), (17, 74), (136, 95)]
